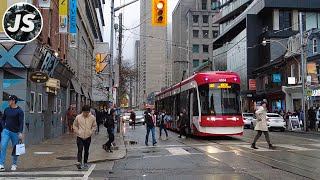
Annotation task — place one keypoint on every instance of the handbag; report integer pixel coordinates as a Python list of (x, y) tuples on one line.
[(19, 149)]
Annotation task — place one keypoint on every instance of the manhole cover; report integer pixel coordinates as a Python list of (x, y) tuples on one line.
[(67, 158)]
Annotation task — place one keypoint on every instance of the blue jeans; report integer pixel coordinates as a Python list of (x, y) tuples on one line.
[(153, 135), (6, 136)]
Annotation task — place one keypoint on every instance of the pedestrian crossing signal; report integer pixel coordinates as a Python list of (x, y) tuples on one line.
[(159, 12)]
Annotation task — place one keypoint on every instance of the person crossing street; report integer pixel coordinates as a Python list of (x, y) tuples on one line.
[(150, 121), (261, 126)]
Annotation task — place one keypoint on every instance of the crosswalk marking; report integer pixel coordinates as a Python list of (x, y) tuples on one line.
[(291, 147), (316, 145), (210, 149), (260, 148), (178, 151)]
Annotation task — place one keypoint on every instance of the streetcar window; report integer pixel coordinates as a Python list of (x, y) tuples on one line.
[(195, 103), (215, 101)]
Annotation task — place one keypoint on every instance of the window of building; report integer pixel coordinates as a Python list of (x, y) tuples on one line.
[(195, 18), (285, 18), (55, 107), (195, 63), (59, 110), (40, 101), (292, 70), (215, 34), (314, 46), (299, 71), (32, 101), (204, 61), (195, 33), (205, 34), (204, 4), (195, 48), (215, 4), (205, 18), (205, 48)]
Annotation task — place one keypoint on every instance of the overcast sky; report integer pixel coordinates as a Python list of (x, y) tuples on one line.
[(131, 17)]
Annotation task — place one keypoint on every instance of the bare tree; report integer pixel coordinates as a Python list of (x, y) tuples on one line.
[(127, 72)]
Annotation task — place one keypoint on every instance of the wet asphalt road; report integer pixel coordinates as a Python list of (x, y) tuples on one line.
[(230, 158)]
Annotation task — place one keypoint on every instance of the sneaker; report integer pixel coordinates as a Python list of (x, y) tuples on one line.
[(85, 165), (253, 146), (79, 165), (271, 147), (14, 167), (2, 168), (154, 143)]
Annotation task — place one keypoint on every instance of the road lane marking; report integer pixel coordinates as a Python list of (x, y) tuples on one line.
[(210, 149), (260, 148), (86, 176), (294, 148), (43, 153), (30, 173), (41, 178), (177, 151)]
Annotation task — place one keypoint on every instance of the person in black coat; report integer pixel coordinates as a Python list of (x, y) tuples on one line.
[(312, 118), (98, 119), (150, 122)]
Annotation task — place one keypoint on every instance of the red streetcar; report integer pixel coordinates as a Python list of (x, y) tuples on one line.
[(211, 101)]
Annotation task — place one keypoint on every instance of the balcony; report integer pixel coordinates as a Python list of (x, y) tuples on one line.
[(230, 10)]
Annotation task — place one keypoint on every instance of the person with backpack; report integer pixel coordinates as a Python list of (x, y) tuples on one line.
[(164, 119), (109, 124), (70, 116), (150, 121)]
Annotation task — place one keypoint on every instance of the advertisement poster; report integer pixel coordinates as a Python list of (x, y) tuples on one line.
[(312, 71), (73, 23), (3, 8), (63, 16)]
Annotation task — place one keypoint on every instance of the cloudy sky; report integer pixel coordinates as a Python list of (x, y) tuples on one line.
[(131, 17)]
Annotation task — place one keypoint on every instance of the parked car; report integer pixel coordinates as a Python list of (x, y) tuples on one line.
[(126, 116), (247, 119), (139, 118), (274, 121)]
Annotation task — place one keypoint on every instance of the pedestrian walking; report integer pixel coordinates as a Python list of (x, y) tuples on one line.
[(164, 119), (261, 126), (84, 126), (98, 119), (13, 121), (301, 117), (150, 121), (70, 116), (109, 124), (312, 118), (183, 123), (133, 118)]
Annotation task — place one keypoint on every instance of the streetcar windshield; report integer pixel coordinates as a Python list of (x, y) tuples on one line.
[(220, 99)]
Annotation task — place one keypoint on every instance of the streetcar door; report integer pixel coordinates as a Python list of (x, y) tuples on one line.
[(191, 110)]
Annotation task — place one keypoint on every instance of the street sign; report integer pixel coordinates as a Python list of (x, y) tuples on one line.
[(308, 92), (39, 77)]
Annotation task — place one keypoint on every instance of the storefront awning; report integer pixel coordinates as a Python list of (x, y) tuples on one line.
[(76, 86), (85, 92)]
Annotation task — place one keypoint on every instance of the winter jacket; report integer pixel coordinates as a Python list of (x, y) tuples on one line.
[(85, 127), (261, 113)]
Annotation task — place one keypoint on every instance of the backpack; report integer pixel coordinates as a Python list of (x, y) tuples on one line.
[(109, 119)]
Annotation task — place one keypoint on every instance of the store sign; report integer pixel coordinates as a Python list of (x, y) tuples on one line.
[(50, 62), (316, 92), (39, 77), (276, 78), (9, 56), (252, 85), (249, 95), (73, 23), (291, 80)]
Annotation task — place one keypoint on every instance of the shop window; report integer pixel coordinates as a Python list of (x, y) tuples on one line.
[(40, 103), (32, 101)]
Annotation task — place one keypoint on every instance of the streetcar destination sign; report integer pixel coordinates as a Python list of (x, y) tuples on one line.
[(220, 86), (39, 77)]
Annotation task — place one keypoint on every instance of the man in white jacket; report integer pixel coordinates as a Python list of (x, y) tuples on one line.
[(261, 125)]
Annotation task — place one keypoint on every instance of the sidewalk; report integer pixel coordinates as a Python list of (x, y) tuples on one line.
[(62, 151)]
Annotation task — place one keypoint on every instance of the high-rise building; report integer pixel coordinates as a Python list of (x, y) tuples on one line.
[(152, 54), (192, 34), (137, 64)]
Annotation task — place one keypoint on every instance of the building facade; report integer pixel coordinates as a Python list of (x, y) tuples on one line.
[(192, 34), (244, 24), (138, 69), (70, 70), (152, 54)]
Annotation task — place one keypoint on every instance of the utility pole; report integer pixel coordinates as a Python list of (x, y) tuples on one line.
[(303, 71), (111, 47), (131, 98), (119, 64)]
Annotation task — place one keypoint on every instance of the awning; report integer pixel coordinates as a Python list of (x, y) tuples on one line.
[(85, 92), (76, 86)]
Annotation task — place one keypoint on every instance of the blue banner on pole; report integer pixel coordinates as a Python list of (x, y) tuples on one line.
[(73, 16), (276, 78)]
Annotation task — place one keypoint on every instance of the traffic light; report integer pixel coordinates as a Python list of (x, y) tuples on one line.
[(159, 12), (98, 61)]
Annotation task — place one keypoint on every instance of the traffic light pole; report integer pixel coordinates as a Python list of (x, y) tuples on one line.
[(120, 79), (111, 48)]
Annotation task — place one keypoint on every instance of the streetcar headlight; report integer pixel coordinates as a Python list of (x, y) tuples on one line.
[(213, 119)]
